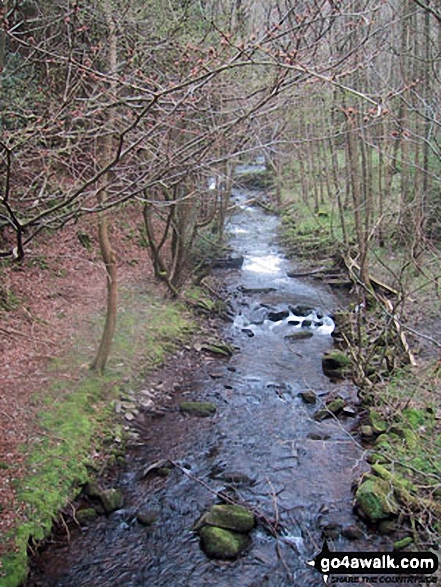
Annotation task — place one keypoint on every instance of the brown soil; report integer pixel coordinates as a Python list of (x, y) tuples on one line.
[(44, 303)]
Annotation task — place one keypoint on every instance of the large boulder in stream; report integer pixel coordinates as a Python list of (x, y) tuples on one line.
[(223, 544), (224, 530), (230, 517)]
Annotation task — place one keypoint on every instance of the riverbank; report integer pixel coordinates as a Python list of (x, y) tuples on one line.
[(395, 364), (60, 423)]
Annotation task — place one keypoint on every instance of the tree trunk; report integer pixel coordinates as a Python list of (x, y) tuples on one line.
[(108, 255)]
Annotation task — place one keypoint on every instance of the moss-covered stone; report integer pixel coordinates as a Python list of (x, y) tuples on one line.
[(200, 409), (334, 407), (375, 499), (336, 364), (86, 515), (112, 499), (230, 517), (223, 544), (400, 544), (378, 424)]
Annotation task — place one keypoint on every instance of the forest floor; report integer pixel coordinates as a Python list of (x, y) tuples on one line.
[(50, 304)]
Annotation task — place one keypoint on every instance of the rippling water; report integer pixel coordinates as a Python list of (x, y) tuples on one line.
[(302, 469)]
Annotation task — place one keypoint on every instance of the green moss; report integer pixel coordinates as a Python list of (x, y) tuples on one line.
[(375, 498), (223, 544), (230, 517)]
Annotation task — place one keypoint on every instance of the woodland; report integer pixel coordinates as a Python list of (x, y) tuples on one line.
[(122, 123)]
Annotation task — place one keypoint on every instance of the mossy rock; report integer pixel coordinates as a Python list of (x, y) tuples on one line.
[(334, 407), (112, 500), (199, 409), (335, 363), (223, 544), (378, 424), (230, 517), (386, 440), (375, 499), (86, 515)]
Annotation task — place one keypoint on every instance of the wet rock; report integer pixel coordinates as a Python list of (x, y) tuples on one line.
[(278, 316), (334, 407), (199, 409), (352, 532), (237, 478), (306, 323), (308, 396), (230, 517), (112, 499), (257, 290), (300, 310), (387, 527), (375, 499), (221, 349), (317, 436), (293, 322), (147, 517), (216, 373), (349, 412), (336, 364), (233, 262), (299, 335), (248, 332), (223, 544), (86, 515), (331, 530)]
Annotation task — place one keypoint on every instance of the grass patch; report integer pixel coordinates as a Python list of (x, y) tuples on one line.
[(77, 416)]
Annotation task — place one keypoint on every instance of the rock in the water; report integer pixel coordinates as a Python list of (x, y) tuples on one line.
[(336, 364), (236, 478), (334, 407), (223, 544), (317, 436), (200, 409), (278, 316), (299, 335), (216, 373), (306, 323), (352, 532), (293, 322), (375, 499), (147, 517), (248, 332), (228, 262), (300, 310), (230, 517), (112, 499), (308, 396)]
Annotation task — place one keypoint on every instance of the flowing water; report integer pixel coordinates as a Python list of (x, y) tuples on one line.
[(294, 471)]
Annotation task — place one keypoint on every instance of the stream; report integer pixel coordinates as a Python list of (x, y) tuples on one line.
[(262, 446)]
